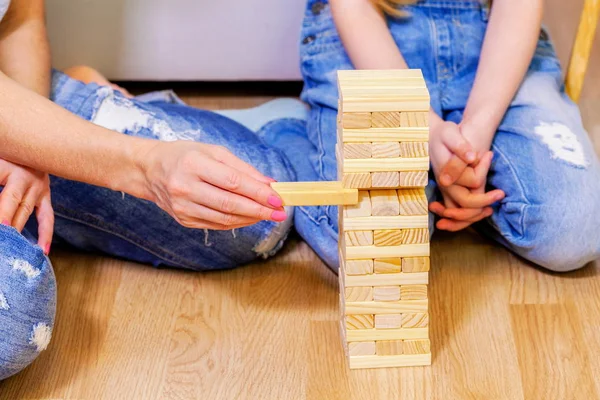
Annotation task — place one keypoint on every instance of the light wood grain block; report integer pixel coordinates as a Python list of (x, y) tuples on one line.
[(419, 346), (388, 347), (359, 238), (384, 202), (415, 320), (400, 278), (386, 179), (358, 150), (360, 209), (387, 265), (361, 348), (392, 237), (411, 292), (410, 236), (403, 250), (360, 293), (399, 222), (414, 149), (385, 135), (413, 178), (385, 150), (366, 321), (314, 193), (363, 335), (358, 267), (388, 321), (358, 180), (356, 120), (414, 119), (403, 360), (386, 293), (385, 119), (386, 307), (413, 201), (386, 164), (415, 264)]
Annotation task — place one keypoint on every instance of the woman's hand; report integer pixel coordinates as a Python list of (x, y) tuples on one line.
[(206, 187), (25, 191)]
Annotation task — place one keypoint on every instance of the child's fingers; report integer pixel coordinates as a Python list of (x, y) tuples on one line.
[(451, 225), (437, 208), (468, 199), (468, 214), (457, 144), (476, 177), (452, 171)]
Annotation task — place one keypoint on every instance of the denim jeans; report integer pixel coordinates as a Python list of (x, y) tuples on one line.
[(543, 158)]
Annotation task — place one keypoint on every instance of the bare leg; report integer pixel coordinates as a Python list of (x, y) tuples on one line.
[(87, 74)]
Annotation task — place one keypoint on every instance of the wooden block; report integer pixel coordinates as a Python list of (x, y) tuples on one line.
[(360, 293), (356, 120), (399, 278), (410, 236), (403, 360), (413, 201), (387, 265), (360, 209), (386, 307), (386, 293), (358, 267), (385, 119), (359, 180), (392, 237), (411, 292), (385, 150), (359, 150), (413, 178), (361, 322), (384, 202), (359, 238), (388, 321), (404, 120), (420, 346), (415, 320), (363, 335), (396, 100), (414, 149), (314, 193), (399, 222), (388, 347), (361, 348), (386, 179), (385, 135), (413, 119), (404, 250), (386, 164), (415, 264)]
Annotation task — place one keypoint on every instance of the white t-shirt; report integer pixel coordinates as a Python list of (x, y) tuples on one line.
[(3, 7)]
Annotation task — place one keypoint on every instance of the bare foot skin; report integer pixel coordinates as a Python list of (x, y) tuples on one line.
[(87, 74)]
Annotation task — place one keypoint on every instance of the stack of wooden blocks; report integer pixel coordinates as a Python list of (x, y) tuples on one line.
[(382, 151)]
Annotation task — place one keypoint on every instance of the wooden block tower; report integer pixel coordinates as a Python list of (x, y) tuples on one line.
[(382, 151)]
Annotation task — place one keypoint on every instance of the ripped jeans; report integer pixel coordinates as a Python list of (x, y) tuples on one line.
[(100, 220)]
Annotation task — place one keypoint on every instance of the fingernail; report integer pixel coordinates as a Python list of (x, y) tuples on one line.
[(271, 179), (446, 179), (47, 249), (279, 216), (470, 156), (5, 222), (275, 201)]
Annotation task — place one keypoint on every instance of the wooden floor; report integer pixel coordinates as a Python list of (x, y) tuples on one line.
[(501, 328)]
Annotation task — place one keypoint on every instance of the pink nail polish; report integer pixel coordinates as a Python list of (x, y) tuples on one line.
[(5, 222), (47, 249), (275, 201), (271, 179), (279, 216)]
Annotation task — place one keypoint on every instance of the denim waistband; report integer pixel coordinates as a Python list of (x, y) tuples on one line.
[(315, 5)]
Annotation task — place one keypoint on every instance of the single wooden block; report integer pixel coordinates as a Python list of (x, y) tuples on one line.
[(399, 222), (360, 293), (363, 335), (359, 238), (415, 320), (386, 164), (386, 307), (388, 347), (360, 322), (385, 150), (410, 236), (412, 178), (359, 180), (314, 193), (357, 150), (411, 292), (413, 201), (360, 209), (356, 120), (361, 348), (388, 321), (420, 346), (387, 265), (358, 267), (386, 293), (384, 202), (386, 179), (384, 135), (403, 250), (414, 149), (415, 264), (402, 360), (390, 119), (398, 278), (414, 119), (392, 237)]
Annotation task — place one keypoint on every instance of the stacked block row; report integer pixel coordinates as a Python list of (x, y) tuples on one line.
[(382, 150)]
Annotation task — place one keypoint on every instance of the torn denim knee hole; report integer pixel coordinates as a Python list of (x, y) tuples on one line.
[(562, 142), (26, 268), (40, 336), (272, 242)]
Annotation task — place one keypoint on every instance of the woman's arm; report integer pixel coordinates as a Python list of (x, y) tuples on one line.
[(24, 48), (508, 48)]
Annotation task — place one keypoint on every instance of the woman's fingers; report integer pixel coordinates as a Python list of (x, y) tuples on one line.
[(10, 200), (224, 156), (26, 208), (192, 215), (45, 219)]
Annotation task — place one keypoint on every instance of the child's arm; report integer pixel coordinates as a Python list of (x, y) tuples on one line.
[(508, 48)]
